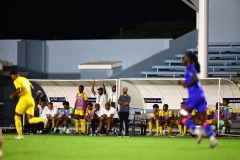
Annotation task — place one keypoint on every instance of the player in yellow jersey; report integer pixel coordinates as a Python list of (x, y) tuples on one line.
[(80, 109), (191, 116), (25, 104), (154, 120), (166, 116), (209, 113), (176, 121)]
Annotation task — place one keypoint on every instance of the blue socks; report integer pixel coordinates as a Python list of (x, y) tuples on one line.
[(208, 129), (187, 122)]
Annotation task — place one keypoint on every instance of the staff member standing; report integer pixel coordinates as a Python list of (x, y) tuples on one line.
[(101, 96), (113, 97), (124, 101)]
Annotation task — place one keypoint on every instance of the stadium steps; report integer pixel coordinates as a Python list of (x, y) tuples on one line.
[(224, 62)]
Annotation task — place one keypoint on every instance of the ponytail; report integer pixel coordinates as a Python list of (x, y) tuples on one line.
[(194, 60), (197, 66)]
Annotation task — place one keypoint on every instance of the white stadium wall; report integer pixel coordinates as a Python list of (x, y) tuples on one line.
[(145, 92)]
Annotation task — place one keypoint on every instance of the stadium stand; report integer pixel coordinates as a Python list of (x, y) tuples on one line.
[(223, 62)]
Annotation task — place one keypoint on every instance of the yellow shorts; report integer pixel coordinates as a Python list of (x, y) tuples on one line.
[(79, 112), (25, 104)]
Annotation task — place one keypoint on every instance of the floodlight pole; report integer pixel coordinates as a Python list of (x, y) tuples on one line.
[(203, 15)]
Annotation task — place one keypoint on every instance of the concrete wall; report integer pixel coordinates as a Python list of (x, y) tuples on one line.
[(224, 20), (179, 45), (66, 55), (32, 57), (8, 50)]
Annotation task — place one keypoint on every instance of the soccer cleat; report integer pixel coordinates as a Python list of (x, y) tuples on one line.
[(119, 135), (67, 131), (149, 135), (18, 137), (126, 135), (200, 133), (108, 133), (213, 143), (156, 135)]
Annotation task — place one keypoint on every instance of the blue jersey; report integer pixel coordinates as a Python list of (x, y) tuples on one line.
[(196, 99), (196, 88)]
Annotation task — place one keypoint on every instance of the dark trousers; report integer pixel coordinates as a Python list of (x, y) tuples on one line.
[(123, 116), (94, 122)]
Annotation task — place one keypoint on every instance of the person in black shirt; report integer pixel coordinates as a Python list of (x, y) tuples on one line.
[(124, 101)]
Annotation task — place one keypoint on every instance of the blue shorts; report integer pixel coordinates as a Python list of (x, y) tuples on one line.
[(198, 103)]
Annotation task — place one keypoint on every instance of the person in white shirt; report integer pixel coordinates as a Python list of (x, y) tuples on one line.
[(51, 114), (109, 117), (113, 97), (42, 109), (96, 118), (101, 96)]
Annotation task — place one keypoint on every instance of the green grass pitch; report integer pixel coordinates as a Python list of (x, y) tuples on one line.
[(62, 147)]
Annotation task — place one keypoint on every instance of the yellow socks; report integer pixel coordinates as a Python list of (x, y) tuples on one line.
[(169, 130), (150, 127), (35, 120), (83, 125), (180, 129), (157, 127), (77, 125), (161, 130), (185, 130), (18, 125)]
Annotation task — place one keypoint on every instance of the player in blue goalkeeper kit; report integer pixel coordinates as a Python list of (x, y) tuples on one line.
[(196, 99)]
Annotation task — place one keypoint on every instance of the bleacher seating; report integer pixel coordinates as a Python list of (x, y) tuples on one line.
[(224, 62)]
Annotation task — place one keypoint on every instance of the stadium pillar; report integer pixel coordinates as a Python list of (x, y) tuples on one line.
[(203, 37)]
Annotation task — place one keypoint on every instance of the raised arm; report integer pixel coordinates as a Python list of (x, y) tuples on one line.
[(104, 89), (93, 91)]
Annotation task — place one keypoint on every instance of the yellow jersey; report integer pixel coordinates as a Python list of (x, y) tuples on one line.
[(209, 112), (85, 97), (167, 114), (89, 113), (155, 117), (24, 85)]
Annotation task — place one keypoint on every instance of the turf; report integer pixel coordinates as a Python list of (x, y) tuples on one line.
[(61, 147)]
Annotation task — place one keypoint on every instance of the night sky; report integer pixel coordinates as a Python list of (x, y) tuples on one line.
[(83, 19)]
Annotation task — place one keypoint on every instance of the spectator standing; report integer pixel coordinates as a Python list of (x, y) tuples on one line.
[(40, 97), (124, 101), (101, 96), (113, 97)]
